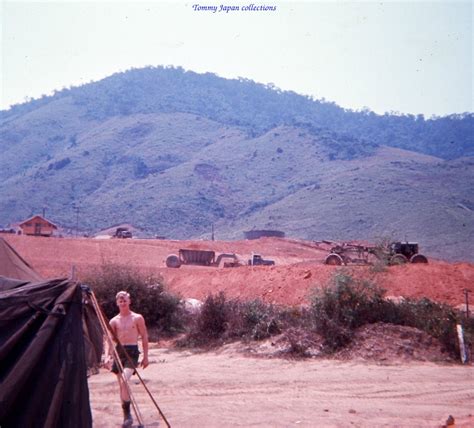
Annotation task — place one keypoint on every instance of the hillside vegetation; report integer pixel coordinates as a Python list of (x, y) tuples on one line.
[(174, 152)]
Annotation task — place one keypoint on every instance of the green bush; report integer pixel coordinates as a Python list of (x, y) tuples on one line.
[(260, 319), (346, 304), (214, 316), (160, 309), (221, 320), (207, 327), (436, 319)]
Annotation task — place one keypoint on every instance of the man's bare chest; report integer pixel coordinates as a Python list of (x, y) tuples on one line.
[(126, 324)]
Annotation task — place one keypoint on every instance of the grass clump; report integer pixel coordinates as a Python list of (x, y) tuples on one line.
[(161, 310)]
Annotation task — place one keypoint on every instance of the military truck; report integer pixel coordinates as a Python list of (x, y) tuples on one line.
[(122, 232), (258, 260), (201, 258)]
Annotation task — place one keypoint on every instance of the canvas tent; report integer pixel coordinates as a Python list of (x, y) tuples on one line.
[(49, 335), (12, 265)]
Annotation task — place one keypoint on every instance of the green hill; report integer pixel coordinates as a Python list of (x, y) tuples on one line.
[(175, 152)]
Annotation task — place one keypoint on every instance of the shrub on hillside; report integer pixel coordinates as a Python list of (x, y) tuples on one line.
[(261, 320), (347, 303), (210, 323), (160, 309), (437, 319), (221, 320), (344, 305)]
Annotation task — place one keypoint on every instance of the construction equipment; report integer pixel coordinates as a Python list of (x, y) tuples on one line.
[(347, 253), (258, 260), (403, 252), (395, 253), (122, 232), (201, 258)]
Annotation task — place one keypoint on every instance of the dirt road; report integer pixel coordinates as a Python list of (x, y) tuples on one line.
[(227, 389)]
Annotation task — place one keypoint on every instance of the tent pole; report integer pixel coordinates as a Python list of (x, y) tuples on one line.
[(105, 329)]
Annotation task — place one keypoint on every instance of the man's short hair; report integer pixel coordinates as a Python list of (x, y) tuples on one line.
[(122, 294)]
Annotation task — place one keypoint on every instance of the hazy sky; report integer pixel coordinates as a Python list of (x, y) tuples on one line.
[(411, 56)]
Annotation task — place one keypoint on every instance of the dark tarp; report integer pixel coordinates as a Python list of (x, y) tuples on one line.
[(12, 265), (43, 347), (9, 283)]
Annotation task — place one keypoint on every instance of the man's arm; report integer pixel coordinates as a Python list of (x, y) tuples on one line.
[(144, 335)]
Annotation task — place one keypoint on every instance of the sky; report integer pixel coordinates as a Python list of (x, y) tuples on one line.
[(412, 57)]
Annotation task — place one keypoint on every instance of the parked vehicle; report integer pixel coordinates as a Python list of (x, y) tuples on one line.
[(258, 260), (395, 253), (122, 232), (201, 258)]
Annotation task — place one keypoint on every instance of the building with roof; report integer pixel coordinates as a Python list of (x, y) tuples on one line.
[(38, 226)]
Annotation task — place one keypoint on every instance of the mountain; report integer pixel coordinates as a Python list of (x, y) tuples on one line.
[(174, 152)]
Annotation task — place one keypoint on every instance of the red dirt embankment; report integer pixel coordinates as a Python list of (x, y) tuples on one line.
[(298, 269)]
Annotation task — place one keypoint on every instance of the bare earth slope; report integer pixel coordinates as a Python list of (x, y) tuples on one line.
[(297, 271)]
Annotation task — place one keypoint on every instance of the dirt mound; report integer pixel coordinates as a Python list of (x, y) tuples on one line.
[(380, 343), (392, 343)]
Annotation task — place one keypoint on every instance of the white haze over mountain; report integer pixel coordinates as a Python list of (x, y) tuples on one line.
[(412, 57)]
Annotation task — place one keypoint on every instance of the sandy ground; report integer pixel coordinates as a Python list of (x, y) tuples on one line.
[(228, 389)]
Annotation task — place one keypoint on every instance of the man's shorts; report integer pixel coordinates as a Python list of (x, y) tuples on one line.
[(133, 353)]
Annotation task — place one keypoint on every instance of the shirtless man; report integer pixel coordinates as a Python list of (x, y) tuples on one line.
[(128, 326)]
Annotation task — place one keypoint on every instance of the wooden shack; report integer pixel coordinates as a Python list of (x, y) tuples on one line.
[(38, 226)]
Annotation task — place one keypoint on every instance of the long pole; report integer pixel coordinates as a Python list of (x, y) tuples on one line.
[(122, 349), (77, 221), (466, 294)]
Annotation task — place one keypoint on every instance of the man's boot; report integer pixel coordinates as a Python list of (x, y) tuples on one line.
[(127, 416)]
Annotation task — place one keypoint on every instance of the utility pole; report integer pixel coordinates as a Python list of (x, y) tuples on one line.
[(77, 220), (212, 235), (466, 295)]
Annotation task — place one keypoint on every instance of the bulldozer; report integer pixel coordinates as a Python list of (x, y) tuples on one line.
[(395, 253)]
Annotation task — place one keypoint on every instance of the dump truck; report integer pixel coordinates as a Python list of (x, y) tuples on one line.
[(395, 253), (201, 258)]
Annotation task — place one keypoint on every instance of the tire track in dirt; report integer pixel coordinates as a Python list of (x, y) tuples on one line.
[(227, 389)]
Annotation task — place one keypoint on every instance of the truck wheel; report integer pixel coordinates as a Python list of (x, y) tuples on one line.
[(398, 259), (418, 258), (333, 259), (172, 261)]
